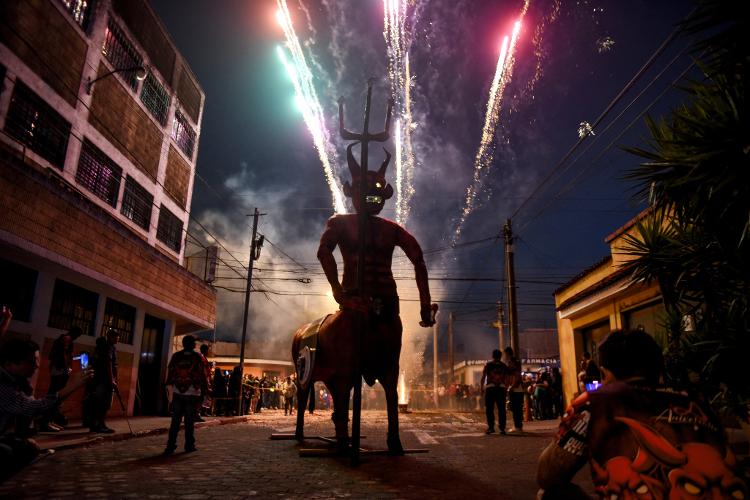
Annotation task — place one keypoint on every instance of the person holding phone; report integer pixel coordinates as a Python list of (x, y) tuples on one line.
[(104, 383), (19, 360), (60, 367), (640, 440)]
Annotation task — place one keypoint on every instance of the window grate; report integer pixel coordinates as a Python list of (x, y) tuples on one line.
[(73, 306), (80, 11), (121, 53), (121, 318), (156, 99), (183, 134), (137, 203), (169, 230), (98, 173), (37, 125)]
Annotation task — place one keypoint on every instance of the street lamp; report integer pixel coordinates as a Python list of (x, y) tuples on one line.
[(140, 74)]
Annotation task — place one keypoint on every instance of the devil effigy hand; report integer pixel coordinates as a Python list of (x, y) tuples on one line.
[(428, 318)]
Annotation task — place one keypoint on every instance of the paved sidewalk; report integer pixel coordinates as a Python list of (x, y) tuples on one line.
[(75, 435)]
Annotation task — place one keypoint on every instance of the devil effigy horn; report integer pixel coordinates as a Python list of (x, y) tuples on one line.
[(384, 166), (654, 444), (354, 167)]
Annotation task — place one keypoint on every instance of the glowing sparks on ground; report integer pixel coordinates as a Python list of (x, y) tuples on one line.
[(399, 75), (485, 154), (307, 100)]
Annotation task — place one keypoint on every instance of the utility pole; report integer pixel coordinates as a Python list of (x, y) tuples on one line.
[(435, 360), (451, 318), (255, 245), (510, 273), (500, 331)]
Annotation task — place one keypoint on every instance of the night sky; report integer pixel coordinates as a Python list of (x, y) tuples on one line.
[(256, 151)]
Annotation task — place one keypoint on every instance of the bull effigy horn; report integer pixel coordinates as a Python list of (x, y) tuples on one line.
[(654, 443), (381, 171), (354, 167)]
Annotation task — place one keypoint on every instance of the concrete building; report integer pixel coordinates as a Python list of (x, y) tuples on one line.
[(600, 299), (100, 118)]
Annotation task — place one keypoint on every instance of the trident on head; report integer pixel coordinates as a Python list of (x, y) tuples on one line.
[(365, 137)]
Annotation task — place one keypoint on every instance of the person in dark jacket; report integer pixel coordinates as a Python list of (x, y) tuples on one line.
[(102, 386), (219, 386)]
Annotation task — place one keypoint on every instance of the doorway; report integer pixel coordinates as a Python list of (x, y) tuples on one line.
[(149, 395)]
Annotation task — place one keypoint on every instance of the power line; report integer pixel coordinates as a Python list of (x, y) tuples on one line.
[(606, 111)]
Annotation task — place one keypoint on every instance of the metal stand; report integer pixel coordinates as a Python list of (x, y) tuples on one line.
[(364, 138)]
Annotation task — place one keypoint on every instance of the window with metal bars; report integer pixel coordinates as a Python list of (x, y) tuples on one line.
[(156, 98), (169, 230), (137, 203), (121, 53), (183, 134), (73, 306), (80, 11), (98, 173), (121, 318), (37, 125)]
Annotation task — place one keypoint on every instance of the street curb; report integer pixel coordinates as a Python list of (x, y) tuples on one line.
[(127, 435)]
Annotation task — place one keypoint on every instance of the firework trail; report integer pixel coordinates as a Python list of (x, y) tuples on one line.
[(485, 153), (307, 98), (399, 75)]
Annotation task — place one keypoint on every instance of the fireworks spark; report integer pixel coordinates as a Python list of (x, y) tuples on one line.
[(485, 153), (604, 44), (585, 129), (307, 100), (399, 75)]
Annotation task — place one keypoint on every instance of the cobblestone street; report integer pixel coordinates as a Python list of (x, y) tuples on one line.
[(240, 461)]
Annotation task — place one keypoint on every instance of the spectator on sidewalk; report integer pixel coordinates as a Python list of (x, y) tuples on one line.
[(206, 398), (60, 366), (641, 440), (19, 359), (5, 317), (186, 377), (493, 383), (219, 386), (103, 384), (515, 388), (290, 391)]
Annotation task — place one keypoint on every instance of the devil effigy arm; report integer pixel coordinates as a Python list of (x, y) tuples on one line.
[(328, 242), (413, 251)]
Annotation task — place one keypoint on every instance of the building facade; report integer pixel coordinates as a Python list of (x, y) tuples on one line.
[(601, 299), (100, 118)]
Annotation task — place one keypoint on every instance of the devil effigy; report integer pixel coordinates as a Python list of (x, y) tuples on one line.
[(363, 338)]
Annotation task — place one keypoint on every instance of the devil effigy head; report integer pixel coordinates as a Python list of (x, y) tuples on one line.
[(378, 190)]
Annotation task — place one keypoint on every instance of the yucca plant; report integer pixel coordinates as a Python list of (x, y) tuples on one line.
[(694, 243)]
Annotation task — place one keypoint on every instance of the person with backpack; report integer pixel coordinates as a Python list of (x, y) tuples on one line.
[(186, 375), (493, 384), (60, 366)]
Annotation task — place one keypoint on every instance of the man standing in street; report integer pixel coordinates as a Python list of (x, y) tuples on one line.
[(493, 383), (515, 388), (60, 367), (186, 375)]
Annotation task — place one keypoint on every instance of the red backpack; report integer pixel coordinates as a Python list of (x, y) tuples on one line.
[(185, 370)]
